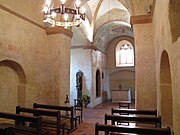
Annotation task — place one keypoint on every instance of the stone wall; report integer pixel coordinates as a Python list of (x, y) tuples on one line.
[(88, 61), (145, 75), (81, 60), (124, 76), (26, 49), (163, 41)]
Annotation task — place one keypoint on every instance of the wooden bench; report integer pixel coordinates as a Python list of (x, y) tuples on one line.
[(20, 126), (78, 106), (145, 120), (66, 109), (133, 111), (120, 130), (124, 104), (45, 122)]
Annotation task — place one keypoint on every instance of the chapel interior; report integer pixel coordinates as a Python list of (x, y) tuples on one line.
[(121, 45)]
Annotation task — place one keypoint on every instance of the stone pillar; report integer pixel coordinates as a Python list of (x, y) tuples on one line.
[(145, 67), (58, 55)]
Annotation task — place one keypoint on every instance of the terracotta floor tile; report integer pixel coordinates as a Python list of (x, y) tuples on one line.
[(93, 115)]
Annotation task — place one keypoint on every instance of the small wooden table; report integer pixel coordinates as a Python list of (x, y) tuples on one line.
[(124, 104)]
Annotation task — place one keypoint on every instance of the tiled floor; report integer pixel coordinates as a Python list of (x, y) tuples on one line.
[(93, 115)]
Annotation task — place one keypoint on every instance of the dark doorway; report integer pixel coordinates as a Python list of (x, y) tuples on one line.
[(98, 84)]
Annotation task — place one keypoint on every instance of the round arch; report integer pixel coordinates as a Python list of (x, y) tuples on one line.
[(166, 108), (98, 83), (14, 83)]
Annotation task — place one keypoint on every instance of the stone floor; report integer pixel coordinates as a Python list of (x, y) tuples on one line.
[(92, 116)]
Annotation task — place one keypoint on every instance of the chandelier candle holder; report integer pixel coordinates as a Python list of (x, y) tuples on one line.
[(60, 16)]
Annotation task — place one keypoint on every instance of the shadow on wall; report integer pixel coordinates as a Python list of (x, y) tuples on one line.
[(174, 15), (13, 89)]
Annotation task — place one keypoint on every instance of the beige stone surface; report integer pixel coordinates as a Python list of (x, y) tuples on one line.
[(8, 89), (140, 5), (25, 8), (117, 76), (35, 67), (163, 41), (126, 84), (43, 59), (145, 70)]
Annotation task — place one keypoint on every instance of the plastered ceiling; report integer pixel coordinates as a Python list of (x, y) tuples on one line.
[(107, 20)]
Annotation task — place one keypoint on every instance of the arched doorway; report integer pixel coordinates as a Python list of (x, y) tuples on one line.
[(98, 84), (166, 91), (12, 85)]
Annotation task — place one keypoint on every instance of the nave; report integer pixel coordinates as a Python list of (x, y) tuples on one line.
[(93, 115)]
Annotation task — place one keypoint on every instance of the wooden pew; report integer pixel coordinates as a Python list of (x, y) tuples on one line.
[(133, 111), (20, 126), (66, 109), (120, 130), (150, 120), (45, 122)]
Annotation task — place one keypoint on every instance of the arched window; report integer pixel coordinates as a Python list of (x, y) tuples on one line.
[(124, 54), (98, 84)]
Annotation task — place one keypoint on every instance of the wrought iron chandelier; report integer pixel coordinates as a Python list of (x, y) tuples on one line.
[(60, 16)]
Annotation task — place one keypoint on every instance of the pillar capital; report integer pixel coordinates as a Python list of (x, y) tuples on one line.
[(59, 30), (141, 19)]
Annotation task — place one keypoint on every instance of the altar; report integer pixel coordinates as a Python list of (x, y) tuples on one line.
[(121, 95)]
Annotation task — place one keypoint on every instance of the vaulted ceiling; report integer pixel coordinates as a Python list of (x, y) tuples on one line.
[(106, 20)]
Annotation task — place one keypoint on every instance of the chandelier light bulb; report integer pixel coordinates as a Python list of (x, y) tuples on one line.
[(48, 3), (65, 26), (66, 17), (46, 9), (63, 1), (78, 3), (83, 10), (53, 14), (77, 17)]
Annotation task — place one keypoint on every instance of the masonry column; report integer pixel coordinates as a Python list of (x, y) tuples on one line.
[(58, 63), (145, 64)]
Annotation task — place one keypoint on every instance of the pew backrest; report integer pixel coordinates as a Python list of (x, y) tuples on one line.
[(131, 130), (69, 109), (156, 121), (40, 112), (133, 111), (19, 119)]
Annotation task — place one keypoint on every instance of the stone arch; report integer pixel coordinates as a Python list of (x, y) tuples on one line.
[(14, 84), (166, 108)]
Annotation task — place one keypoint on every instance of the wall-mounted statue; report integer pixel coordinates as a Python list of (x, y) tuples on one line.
[(79, 75)]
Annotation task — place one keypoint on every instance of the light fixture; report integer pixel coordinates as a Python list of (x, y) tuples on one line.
[(53, 16)]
